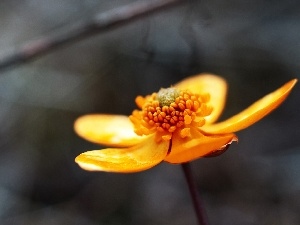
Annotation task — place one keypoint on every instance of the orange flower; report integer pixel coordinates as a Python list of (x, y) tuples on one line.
[(174, 125)]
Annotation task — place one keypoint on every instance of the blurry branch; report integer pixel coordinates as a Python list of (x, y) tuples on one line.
[(99, 23)]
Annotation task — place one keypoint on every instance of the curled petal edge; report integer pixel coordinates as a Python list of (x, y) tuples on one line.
[(253, 113), (125, 160), (184, 151)]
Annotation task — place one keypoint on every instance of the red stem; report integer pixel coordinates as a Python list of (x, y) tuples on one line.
[(198, 206)]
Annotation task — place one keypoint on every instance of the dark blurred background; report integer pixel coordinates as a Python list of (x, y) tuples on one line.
[(254, 44)]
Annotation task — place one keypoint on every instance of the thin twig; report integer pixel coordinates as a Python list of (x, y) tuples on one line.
[(199, 209), (99, 23)]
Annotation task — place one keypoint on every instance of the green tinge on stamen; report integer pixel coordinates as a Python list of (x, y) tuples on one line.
[(166, 96)]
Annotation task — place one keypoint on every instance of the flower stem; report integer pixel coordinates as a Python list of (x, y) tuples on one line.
[(200, 211)]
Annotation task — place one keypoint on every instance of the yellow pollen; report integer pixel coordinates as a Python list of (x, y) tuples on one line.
[(187, 119), (170, 110), (185, 132)]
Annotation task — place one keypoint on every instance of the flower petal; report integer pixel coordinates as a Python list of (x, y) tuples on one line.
[(188, 149), (125, 160), (113, 130), (253, 113), (208, 83)]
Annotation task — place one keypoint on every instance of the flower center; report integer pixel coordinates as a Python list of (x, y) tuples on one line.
[(170, 110), (166, 96)]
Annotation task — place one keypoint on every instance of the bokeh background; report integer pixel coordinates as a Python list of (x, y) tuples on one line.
[(254, 44)]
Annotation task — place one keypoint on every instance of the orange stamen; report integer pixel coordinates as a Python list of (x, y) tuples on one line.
[(184, 110)]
